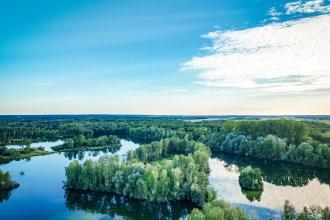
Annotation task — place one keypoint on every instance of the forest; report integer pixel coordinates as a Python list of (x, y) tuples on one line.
[(80, 142), (301, 142), (171, 163), (169, 176)]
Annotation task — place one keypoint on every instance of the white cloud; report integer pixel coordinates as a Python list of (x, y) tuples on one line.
[(274, 14), (291, 56), (312, 6)]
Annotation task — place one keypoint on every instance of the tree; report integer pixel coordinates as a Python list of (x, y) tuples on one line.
[(251, 179)]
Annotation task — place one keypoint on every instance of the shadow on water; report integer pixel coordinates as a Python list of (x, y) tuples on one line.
[(115, 205), (277, 173)]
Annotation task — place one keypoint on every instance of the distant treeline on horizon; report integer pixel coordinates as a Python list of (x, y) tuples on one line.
[(185, 117)]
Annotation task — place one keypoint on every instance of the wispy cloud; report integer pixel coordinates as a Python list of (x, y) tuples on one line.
[(291, 56), (311, 6), (274, 14)]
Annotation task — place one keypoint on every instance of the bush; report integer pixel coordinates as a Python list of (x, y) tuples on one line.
[(251, 179), (218, 210)]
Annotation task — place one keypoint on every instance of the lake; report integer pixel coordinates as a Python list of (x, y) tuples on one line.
[(41, 194), (300, 185)]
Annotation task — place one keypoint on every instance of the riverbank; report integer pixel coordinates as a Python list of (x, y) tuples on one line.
[(8, 155)]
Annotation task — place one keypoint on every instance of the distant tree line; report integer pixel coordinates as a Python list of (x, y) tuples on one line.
[(300, 142)]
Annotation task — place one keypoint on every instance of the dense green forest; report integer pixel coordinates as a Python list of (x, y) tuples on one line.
[(172, 162), (80, 142), (169, 177), (301, 142)]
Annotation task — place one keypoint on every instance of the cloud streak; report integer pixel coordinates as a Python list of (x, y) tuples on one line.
[(291, 56), (274, 14), (313, 6)]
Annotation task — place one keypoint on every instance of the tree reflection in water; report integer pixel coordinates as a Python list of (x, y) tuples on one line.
[(115, 205), (252, 195), (4, 195), (280, 174), (80, 155)]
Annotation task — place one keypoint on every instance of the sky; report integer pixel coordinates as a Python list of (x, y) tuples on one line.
[(210, 57)]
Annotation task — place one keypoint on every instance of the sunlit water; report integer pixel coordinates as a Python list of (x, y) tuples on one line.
[(41, 194), (47, 145), (300, 185)]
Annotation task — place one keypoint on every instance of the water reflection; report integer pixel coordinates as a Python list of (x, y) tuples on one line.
[(114, 205), (300, 185), (252, 195), (80, 155), (47, 145), (280, 174), (121, 151), (4, 195)]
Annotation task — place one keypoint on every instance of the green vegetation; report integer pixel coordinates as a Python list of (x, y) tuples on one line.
[(314, 212), (172, 162), (251, 179), (294, 132), (272, 147), (6, 182), (7, 155), (80, 142), (301, 142), (217, 210), (180, 177), (168, 147)]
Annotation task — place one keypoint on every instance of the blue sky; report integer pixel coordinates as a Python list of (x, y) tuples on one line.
[(164, 57)]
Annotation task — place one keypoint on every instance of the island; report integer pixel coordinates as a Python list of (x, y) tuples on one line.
[(251, 179), (7, 154), (80, 142)]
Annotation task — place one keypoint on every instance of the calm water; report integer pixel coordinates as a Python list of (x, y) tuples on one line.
[(41, 194), (300, 185), (47, 145)]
